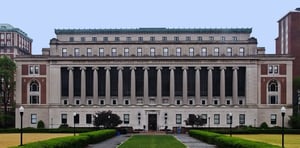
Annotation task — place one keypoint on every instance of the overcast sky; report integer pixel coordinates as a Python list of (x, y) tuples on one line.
[(39, 18)]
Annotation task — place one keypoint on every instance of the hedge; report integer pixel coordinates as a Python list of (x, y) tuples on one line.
[(80, 141), (56, 130), (222, 141)]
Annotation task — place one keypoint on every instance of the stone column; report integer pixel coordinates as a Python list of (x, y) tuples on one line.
[(71, 86), (120, 85), (158, 91), (210, 86), (222, 85), (95, 85), (83, 86), (107, 85), (235, 86), (133, 99), (184, 86), (197, 86), (146, 93), (172, 85)]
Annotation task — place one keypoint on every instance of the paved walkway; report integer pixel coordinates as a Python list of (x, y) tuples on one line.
[(190, 142)]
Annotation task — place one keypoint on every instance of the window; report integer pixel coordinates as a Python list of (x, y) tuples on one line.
[(114, 102), (178, 51), (242, 52), (211, 38), (242, 119), (64, 118), (34, 92), (164, 38), (117, 38), (199, 38), (229, 51), (216, 102), (34, 69), (222, 38), (65, 102), (8, 43), (241, 102), (234, 38), (191, 52), (105, 39), (273, 69), (191, 102), (76, 118), (77, 102), (101, 52), (34, 99), (152, 38), (126, 52), (126, 102), (204, 118), (176, 38), (216, 118), (188, 38), (128, 39), (94, 39), (203, 52), (126, 118), (273, 118), (76, 52), (64, 52), (273, 92), (89, 52), (102, 102), (216, 51), (88, 118), (89, 102), (2, 36), (82, 39), (152, 52), (178, 102), (165, 52), (33, 118), (228, 102), (71, 39), (178, 118), (228, 121), (203, 102), (140, 39), (113, 52), (139, 52)]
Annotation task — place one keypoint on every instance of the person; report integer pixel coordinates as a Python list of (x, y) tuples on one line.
[(144, 128)]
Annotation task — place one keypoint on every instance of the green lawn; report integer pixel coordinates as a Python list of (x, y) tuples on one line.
[(291, 141), (152, 141)]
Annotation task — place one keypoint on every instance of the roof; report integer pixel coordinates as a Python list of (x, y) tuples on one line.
[(10, 28), (153, 30)]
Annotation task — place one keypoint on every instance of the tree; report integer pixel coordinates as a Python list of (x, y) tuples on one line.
[(194, 120), (106, 119), (7, 72), (294, 121)]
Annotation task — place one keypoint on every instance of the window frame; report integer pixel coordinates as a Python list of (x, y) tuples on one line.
[(273, 119), (178, 118), (126, 118), (216, 118), (101, 52), (152, 51), (33, 118)]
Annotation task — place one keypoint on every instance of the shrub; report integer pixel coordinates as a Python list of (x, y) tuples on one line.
[(74, 141), (264, 125), (223, 141), (40, 124)]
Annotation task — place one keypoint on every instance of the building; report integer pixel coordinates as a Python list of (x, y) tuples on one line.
[(13, 41), (154, 77), (288, 43)]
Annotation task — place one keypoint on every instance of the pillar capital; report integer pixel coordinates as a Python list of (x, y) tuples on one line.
[(172, 67), (132, 68), (197, 68), (95, 68), (107, 67), (70, 68), (145, 68), (120, 68), (210, 68), (158, 68), (185, 68), (235, 68), (223, 68), (82, 68)]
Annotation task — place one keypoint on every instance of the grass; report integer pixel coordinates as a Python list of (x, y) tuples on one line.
[(9, 140), (152, 141), (290, 141)]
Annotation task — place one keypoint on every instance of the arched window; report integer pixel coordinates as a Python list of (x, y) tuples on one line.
[(273, 92), (34, 86), (273, 86), (34, 92)]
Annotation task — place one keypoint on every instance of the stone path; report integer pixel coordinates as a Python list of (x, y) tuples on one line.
[(190, 142)]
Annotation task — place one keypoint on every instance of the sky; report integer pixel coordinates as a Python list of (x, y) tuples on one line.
[(39, 18)]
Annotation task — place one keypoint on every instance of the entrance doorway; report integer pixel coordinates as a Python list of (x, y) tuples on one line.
[(152, 122)]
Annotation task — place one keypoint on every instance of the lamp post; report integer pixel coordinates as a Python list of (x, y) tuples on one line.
[(21, 110), (230, 123), (282, 131), (74, 114), (208, 122)]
